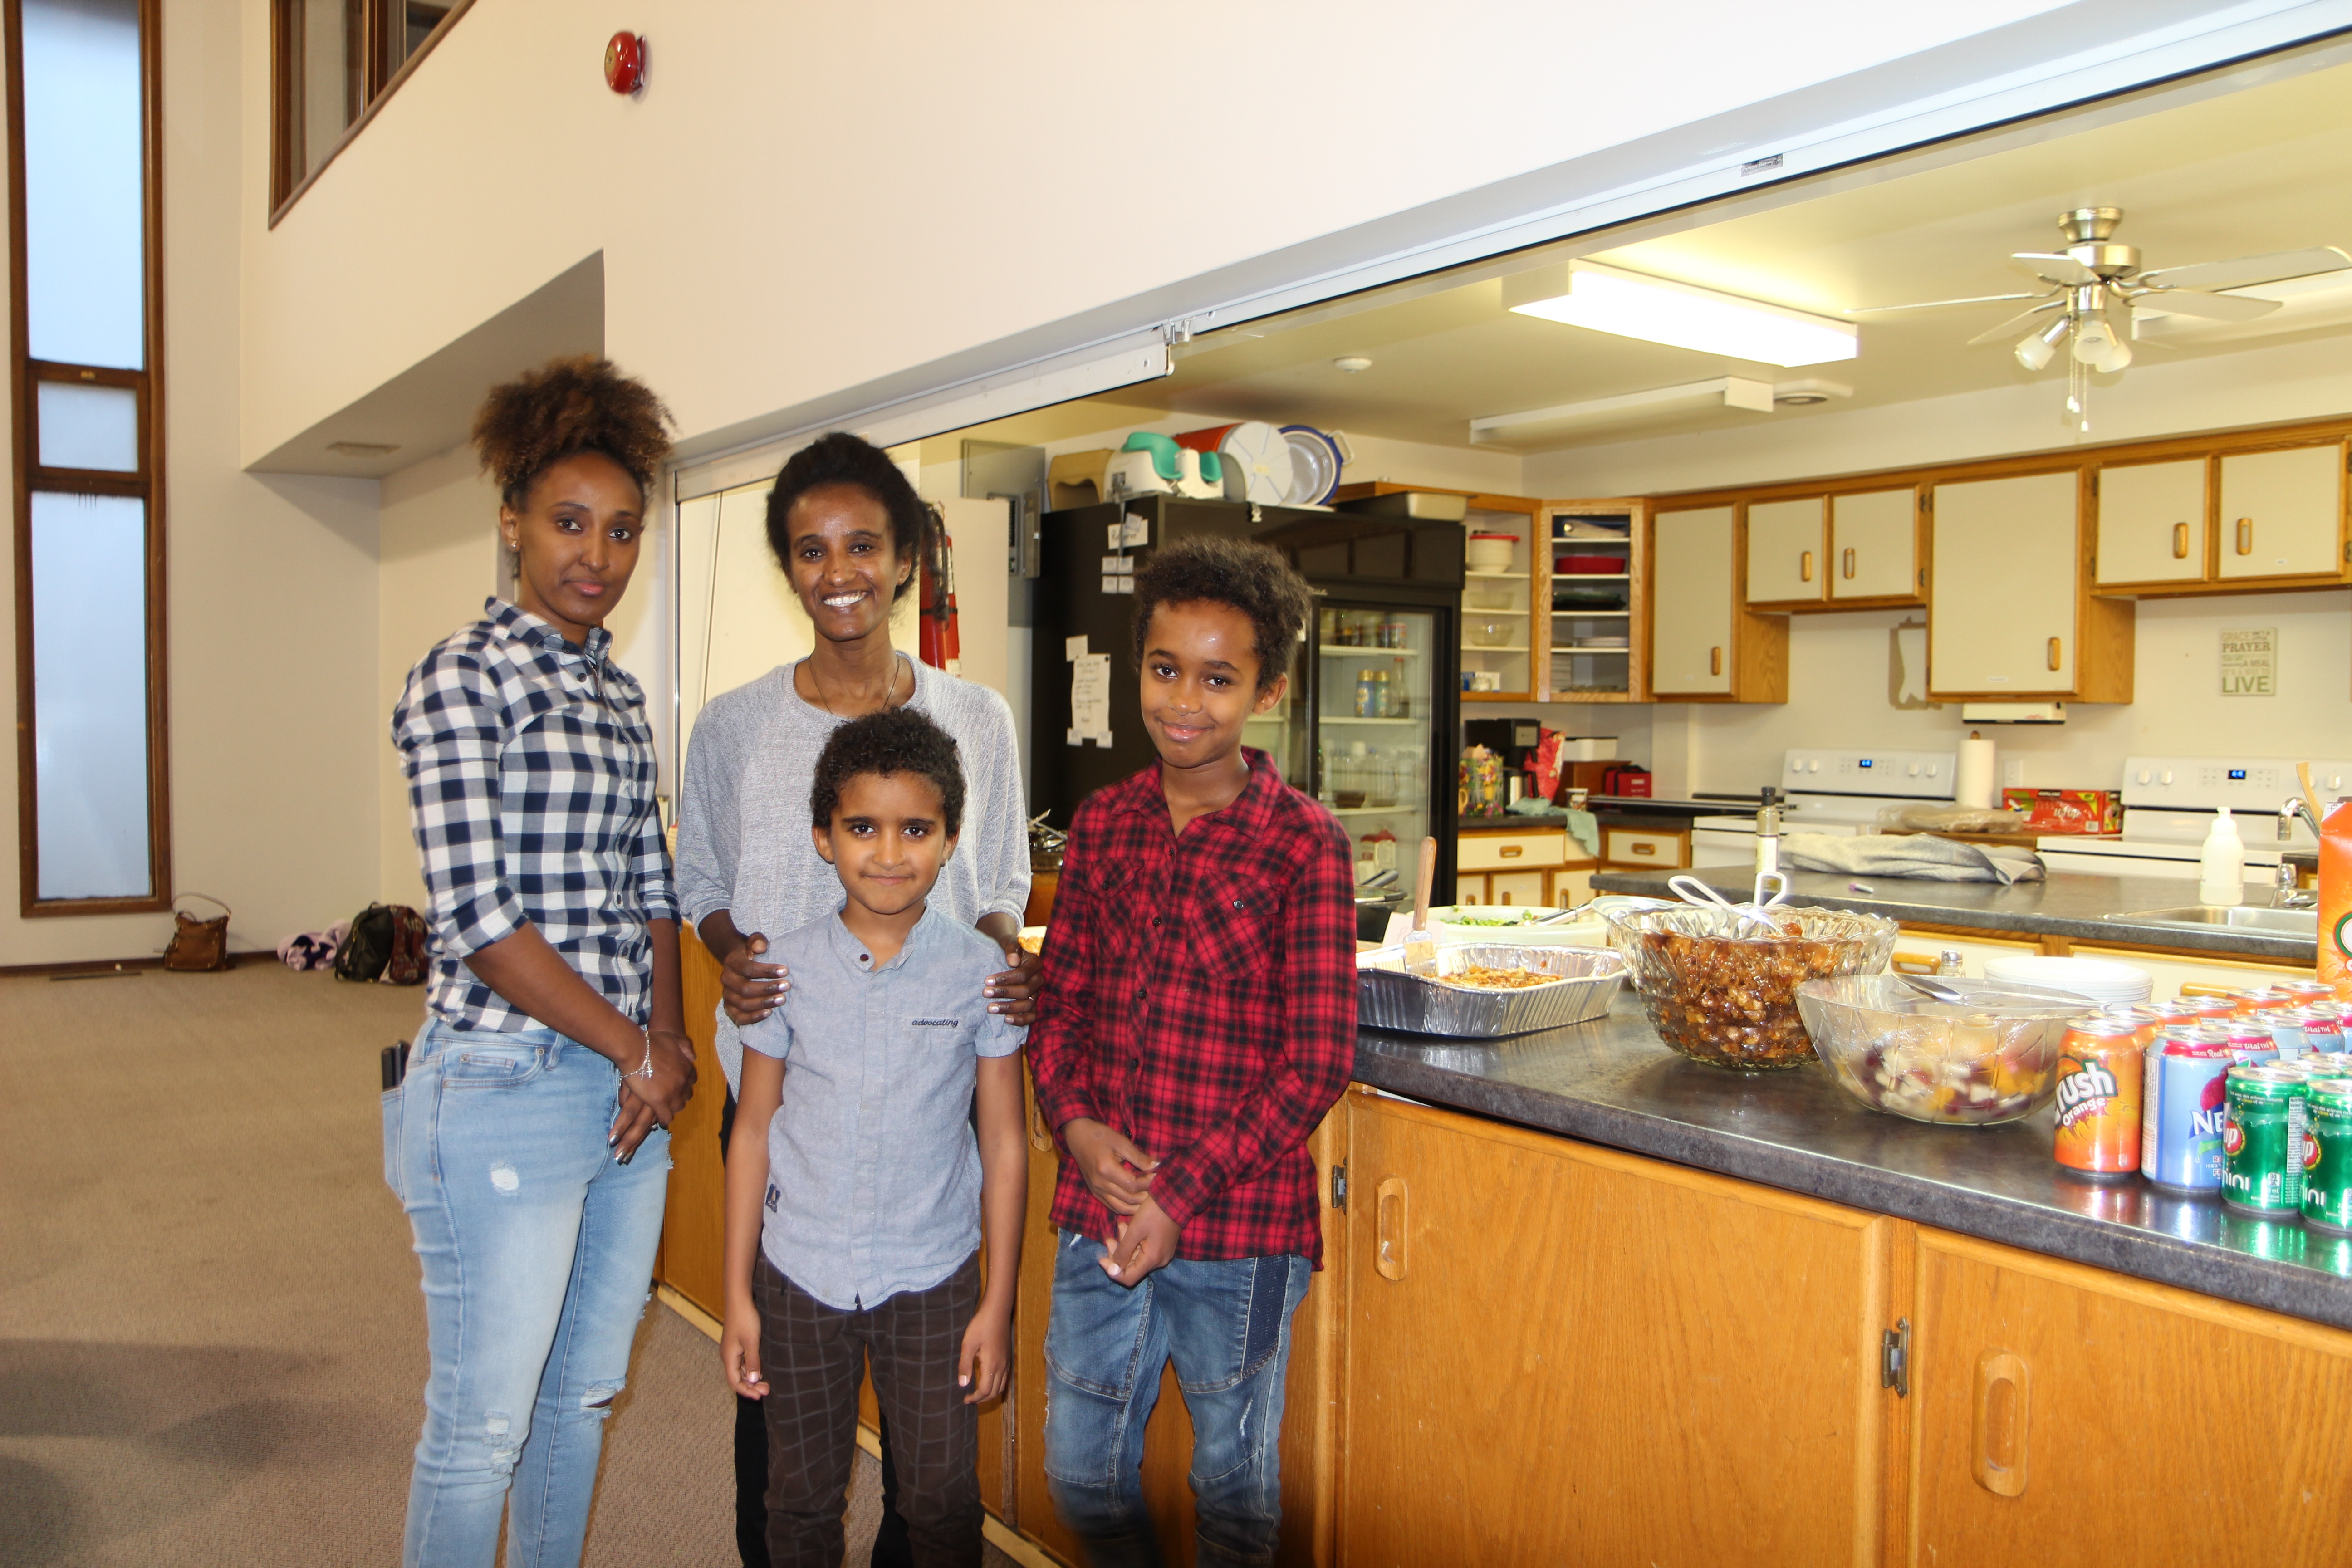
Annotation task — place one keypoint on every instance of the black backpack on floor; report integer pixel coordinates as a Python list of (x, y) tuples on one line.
[(367, 947)]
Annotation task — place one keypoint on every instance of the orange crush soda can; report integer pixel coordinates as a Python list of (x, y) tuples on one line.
[(2336, 899), (2099, 1067)]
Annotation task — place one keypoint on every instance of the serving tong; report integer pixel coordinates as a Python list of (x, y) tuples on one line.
[(1738, 917)]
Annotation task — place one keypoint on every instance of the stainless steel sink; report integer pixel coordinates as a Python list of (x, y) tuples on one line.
[(2254, 921)]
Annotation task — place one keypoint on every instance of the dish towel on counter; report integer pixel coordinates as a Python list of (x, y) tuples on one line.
[(1583, 825), (1909, 855)]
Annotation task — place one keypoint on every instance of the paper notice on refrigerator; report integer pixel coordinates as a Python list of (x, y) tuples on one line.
[(1074, 648), (1133, 530), (1090, 699)]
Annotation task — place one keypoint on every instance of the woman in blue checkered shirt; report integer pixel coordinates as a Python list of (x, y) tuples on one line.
[(528, 1143)]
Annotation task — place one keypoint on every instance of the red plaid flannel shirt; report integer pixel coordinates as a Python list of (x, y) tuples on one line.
[(1200, 998)]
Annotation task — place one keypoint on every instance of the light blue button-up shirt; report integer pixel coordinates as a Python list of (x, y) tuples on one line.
[(873, 1166)]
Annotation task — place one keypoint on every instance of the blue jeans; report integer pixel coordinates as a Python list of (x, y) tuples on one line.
[(538, 1251), (1226, 1325)]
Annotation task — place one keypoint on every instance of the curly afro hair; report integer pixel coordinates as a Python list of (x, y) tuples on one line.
[(895, 740), (1241, 573), (840, 458), (565, 407)]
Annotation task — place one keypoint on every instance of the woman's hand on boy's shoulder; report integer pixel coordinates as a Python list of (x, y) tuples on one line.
[(1013, 992), (749, 988), (985, 1364)]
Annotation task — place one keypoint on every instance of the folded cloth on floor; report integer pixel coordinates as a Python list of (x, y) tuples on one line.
[(1910, 854)]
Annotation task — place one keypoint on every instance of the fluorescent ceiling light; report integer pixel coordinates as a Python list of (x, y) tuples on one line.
[(1533, 426), (1611, 299)]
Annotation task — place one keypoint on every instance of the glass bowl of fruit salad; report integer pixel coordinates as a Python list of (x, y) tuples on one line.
[(1990, 1059)]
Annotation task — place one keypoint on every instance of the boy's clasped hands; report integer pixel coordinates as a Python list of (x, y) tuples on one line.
[(1120, 1176)]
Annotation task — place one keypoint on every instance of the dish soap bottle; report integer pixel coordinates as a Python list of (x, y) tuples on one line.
[(2221, 865)]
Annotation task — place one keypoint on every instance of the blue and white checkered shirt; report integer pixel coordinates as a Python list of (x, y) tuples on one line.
[(530, 776)]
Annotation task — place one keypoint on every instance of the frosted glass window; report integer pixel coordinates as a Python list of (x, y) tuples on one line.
[(84, 256), (90, 694), (85, 427)]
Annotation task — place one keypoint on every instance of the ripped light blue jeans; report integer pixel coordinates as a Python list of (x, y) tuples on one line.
[(538, 1252), (1226, 1325)]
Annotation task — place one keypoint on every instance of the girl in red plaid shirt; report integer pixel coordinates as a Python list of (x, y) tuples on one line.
[(1197, 1021)]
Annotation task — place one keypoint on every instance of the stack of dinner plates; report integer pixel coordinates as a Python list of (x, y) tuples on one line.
[(2093, 980)]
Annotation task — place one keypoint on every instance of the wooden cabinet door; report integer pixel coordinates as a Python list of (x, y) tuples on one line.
[(693, 1257), (2060, 1412), (1784, 553), (2001, 618), (2152, 522), (1691, 602), (1558, 1353), (2283, 512), (1874, 545)]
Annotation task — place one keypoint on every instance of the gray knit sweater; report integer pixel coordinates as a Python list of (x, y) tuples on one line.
[(743, 814)]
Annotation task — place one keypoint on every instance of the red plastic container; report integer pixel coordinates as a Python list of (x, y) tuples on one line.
[(1589, 565)]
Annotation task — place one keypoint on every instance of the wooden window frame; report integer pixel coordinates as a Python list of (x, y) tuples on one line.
[(288, 181), (146, 484)]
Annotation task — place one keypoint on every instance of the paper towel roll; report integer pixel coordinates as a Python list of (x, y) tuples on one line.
[(1972, 777)]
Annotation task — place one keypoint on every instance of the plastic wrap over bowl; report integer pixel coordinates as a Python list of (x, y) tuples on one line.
[(1387, 997), (1730, 1002), (1990, 1059)]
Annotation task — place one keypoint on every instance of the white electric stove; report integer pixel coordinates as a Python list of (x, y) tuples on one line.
[(2169, 803), (1829, 791)]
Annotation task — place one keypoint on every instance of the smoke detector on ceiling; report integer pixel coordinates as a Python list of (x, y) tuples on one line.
[(1806, 393), (362, 448)]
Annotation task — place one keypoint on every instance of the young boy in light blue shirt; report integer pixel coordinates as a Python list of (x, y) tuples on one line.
[(857, 1200)]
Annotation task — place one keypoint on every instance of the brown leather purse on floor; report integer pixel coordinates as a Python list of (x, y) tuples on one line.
[(198, 946)]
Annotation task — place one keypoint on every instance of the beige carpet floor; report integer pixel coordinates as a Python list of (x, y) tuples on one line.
[(211, 1344)]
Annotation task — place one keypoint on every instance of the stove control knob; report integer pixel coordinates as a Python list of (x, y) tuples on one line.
[(2168, 777), (2143, 776)]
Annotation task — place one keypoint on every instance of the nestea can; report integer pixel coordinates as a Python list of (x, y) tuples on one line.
[(2182, 1106)]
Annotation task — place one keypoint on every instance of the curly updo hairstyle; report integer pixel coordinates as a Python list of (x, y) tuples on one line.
[(839, 457), (567, 406), (1240, 574), (895, 740)]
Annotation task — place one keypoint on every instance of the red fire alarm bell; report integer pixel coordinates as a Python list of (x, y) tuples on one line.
[(624, 63)]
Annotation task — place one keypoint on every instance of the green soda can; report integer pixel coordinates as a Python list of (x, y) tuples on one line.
[(2328, 1156), (2262, 1129)]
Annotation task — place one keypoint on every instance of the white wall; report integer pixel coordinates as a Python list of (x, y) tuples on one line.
[(271, 598), (440, 559), (1837, 662), (758, 249)]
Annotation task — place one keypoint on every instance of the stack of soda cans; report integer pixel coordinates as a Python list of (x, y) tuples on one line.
[(2246, 1095)]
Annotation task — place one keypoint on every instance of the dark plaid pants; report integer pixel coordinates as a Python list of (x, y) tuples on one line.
[(812, 1355)]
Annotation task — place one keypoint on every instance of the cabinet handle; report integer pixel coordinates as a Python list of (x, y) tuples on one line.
[(2001, 1385), (1805, 567), (1715, 662), (2053, 653), (2180, 542), (1641, 849), (2246, 536), (2198, 988), (1510, 851), (1388, 1229), (1849, 563), (1912, 964)]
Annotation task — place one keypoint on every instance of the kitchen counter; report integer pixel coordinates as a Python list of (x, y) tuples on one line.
[(2065, 903), (1611, 1082)]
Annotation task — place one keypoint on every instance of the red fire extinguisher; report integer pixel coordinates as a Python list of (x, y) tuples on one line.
[(936, 642)]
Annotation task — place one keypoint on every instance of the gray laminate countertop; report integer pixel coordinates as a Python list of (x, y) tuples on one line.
[(2071, 904), (1613, 1081)]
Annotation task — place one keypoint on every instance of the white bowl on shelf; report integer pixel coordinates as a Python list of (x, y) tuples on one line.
[(1490, 552)]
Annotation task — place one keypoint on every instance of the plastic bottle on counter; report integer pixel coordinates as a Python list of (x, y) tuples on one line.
[(2221, 865)]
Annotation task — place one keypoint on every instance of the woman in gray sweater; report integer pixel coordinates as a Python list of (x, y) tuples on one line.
[(849, 531)]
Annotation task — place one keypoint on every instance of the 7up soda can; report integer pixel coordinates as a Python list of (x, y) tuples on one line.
[(2262, 1137), (2328, 1156)]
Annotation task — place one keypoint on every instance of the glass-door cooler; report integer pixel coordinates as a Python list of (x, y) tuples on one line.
[(1381, 725)]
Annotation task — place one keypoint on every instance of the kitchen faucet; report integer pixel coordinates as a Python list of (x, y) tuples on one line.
[(2286, 893)]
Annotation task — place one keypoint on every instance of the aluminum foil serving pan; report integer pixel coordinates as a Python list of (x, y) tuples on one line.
[(1585, 982)]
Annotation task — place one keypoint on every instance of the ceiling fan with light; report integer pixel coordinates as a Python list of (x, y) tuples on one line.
[(2091, 288)]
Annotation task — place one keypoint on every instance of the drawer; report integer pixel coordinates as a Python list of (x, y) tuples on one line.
[(1468, 890), (1511, 851), (1638, 847), (2174, 973), (1523, 890), (1916, 951)]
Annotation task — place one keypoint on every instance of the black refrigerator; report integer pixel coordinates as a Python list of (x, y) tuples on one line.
[(1369, 725)]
